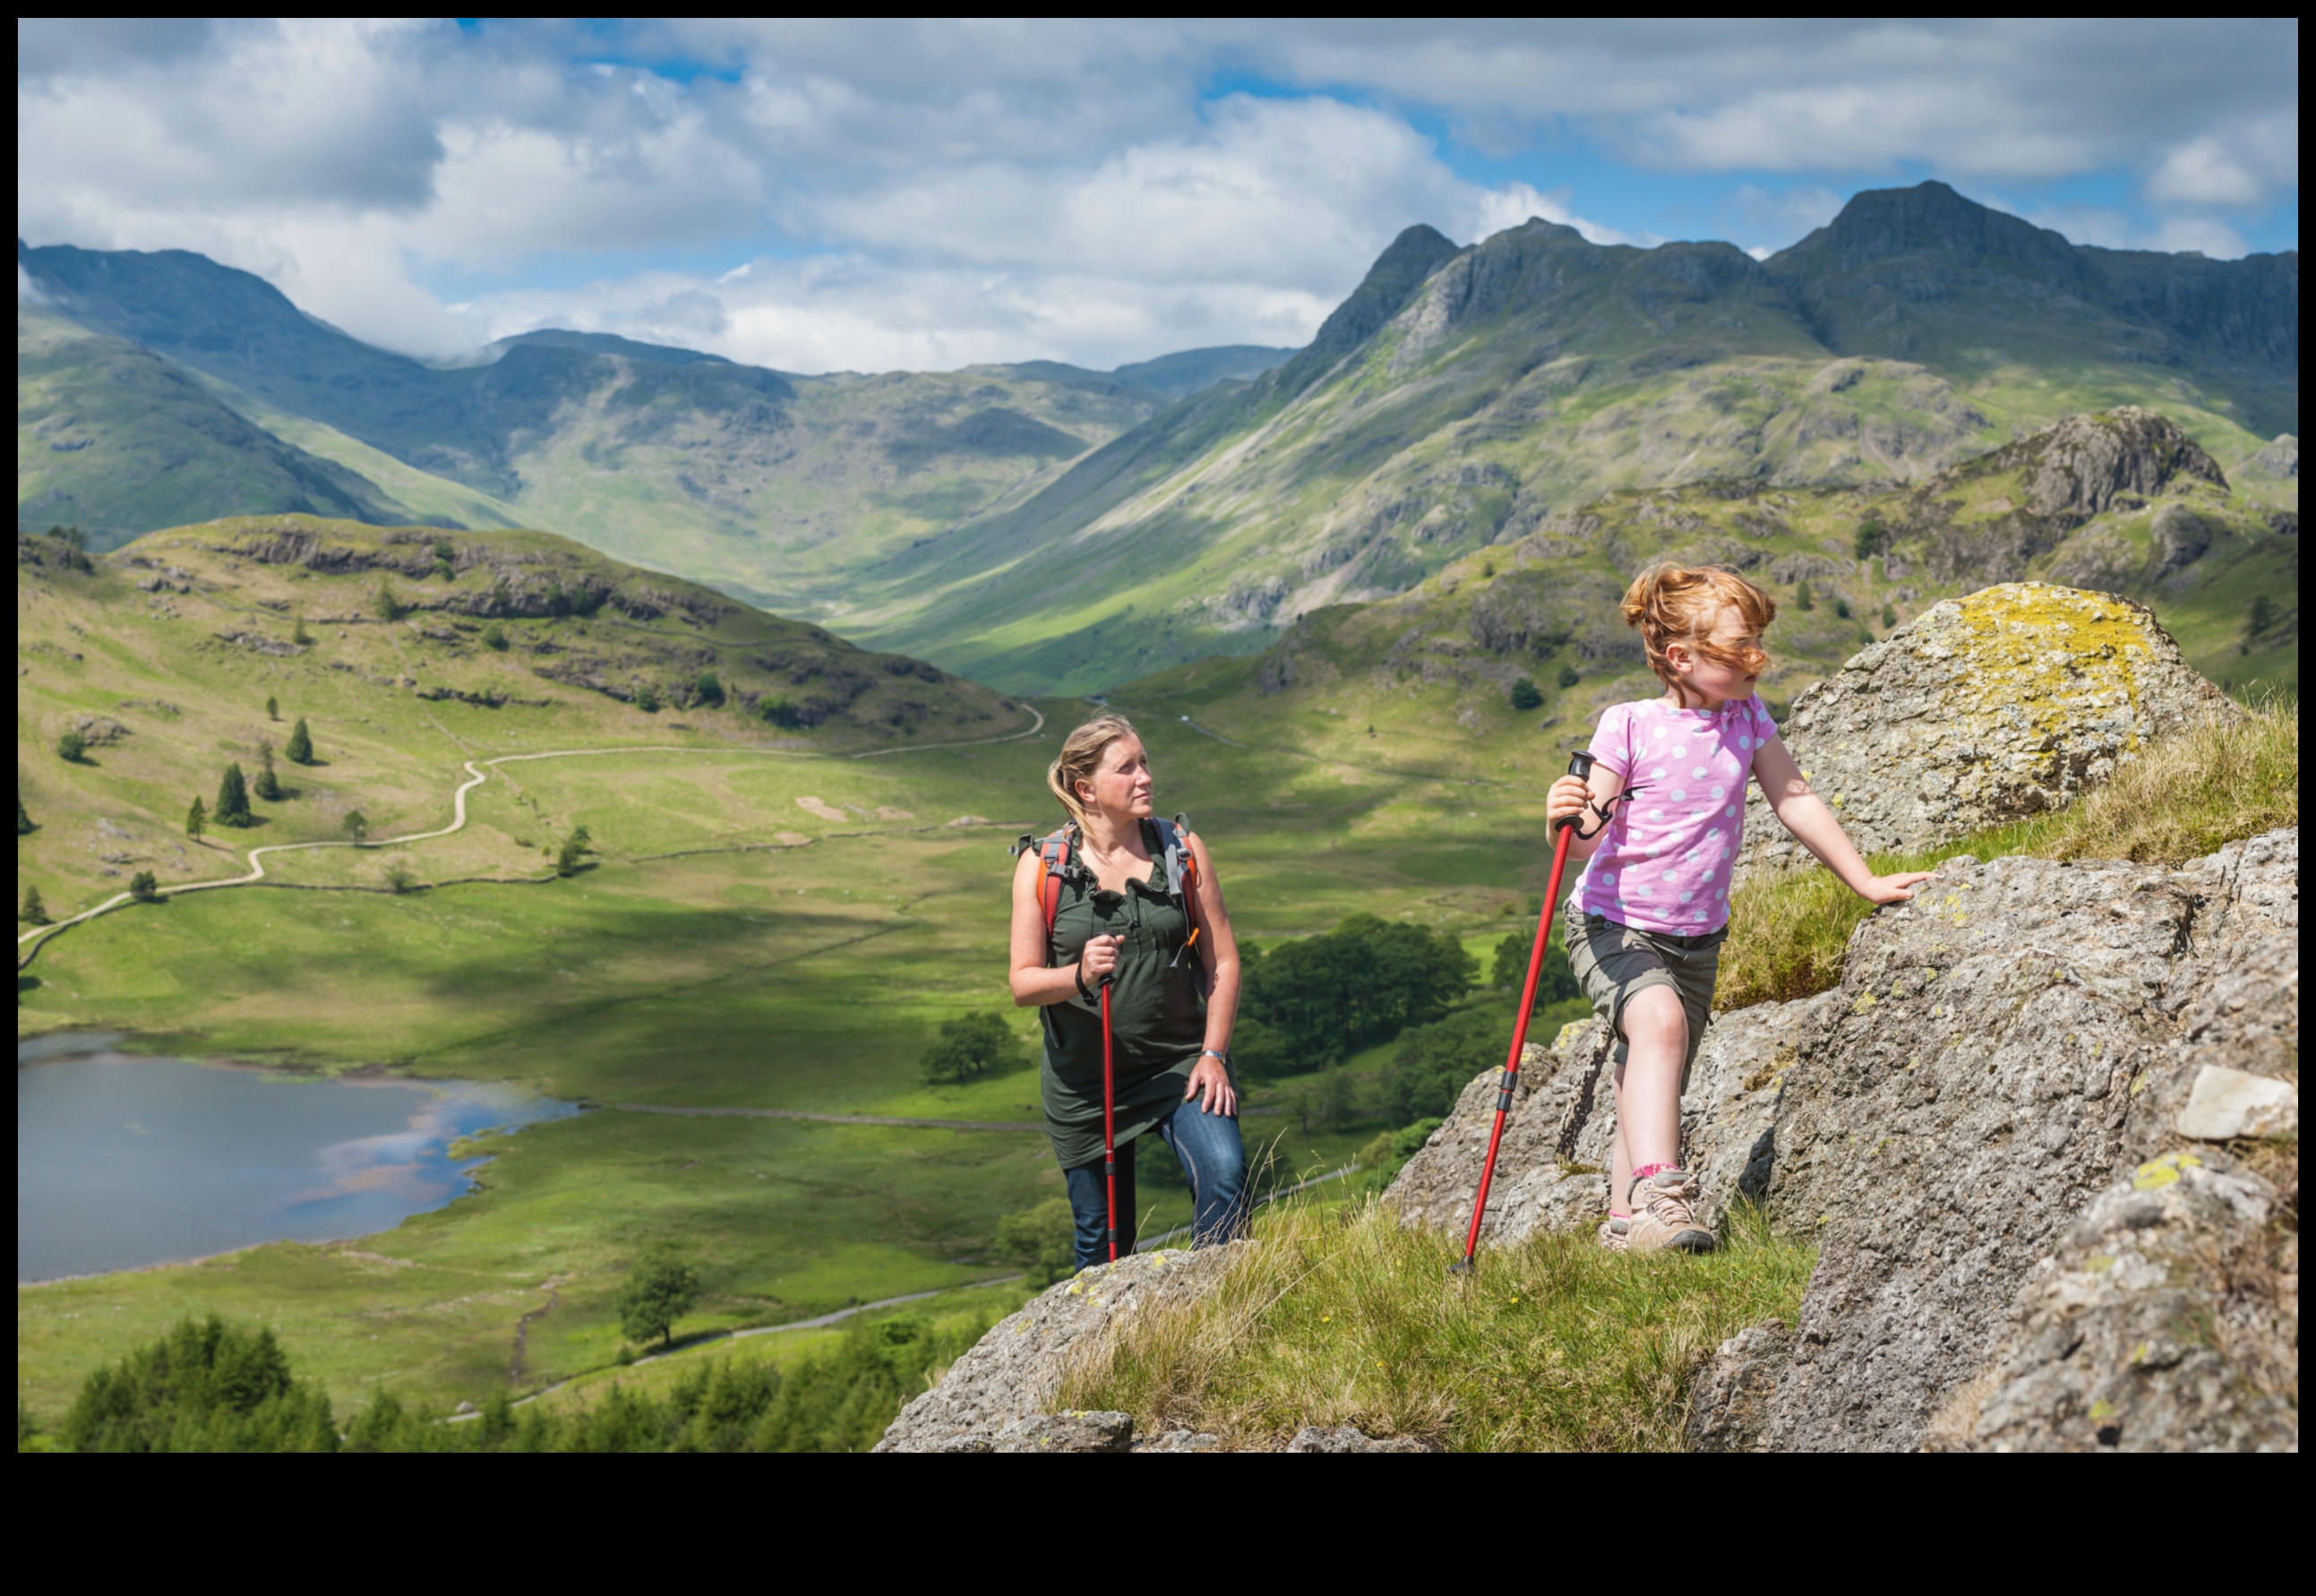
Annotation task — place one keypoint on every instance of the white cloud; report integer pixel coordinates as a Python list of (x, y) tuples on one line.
[(942, 190)]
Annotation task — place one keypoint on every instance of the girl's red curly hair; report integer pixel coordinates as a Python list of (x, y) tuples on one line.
[(1670, 603)]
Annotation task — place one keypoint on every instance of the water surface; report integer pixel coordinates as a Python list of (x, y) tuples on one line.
[(123, 1161)]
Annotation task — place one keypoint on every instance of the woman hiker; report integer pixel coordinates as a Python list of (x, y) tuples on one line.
[(1645, 924), (1117, 916)]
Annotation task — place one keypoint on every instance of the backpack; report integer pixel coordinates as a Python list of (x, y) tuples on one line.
[(1057, 853)]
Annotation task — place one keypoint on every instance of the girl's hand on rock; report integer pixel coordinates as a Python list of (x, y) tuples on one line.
[(1893, 888), (1099, 957), (1568, 797)]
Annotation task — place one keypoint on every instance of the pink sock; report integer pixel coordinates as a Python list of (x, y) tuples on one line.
[(1646, 1170)]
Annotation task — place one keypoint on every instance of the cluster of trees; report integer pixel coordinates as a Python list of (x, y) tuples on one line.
[(972, 1046), (236, 788), (1313, 1001), (215, 1388)]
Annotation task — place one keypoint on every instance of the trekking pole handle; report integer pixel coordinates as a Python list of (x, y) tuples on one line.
[(1579, 765)]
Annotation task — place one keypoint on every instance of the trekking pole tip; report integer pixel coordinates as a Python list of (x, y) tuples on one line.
[(1462, 1266)]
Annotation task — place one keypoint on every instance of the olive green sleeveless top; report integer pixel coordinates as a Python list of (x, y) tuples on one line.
[(1157, 1016)]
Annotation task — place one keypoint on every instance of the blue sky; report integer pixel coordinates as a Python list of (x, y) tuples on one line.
[(872, 195)]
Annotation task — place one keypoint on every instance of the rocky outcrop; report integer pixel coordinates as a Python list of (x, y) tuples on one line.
[(2000, 1050), (1012, 1375), (1980, 711)]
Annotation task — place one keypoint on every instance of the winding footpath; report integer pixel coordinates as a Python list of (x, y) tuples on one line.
[(31, 941)]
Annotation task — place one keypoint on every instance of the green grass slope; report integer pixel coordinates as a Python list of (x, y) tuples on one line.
[(119, 442), (1463, 398)]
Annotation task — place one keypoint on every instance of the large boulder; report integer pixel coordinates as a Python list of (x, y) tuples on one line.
[(1012, 1375), (1981, 711), (2000, 1050)]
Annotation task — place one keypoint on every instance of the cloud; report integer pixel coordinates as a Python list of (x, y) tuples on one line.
[(940, 190)]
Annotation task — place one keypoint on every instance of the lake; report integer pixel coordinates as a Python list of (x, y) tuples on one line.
[(123, 1161)]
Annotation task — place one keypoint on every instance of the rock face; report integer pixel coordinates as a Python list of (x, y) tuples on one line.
[(1999, 1050), (1012, 1374), (1980, 711)]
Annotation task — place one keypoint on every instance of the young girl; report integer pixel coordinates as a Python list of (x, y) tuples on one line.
[(1645, 923)]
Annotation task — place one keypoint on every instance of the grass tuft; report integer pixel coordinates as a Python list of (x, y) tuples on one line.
[(2182, 797), (1346, 1317)]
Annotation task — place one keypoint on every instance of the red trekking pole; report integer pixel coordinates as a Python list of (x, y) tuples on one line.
[(1579, 765), (1109, 1121)]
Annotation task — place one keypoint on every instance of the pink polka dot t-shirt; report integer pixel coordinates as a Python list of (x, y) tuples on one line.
[(1665, 863)]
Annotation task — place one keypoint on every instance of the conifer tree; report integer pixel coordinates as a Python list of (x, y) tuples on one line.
[(23, 816), (300, 748), (1803, 598), (34, 912), (272, 708), (267, 786), (197, 818), (232, 798)]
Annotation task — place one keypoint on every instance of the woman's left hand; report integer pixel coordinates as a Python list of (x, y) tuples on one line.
[(1213, 1080)]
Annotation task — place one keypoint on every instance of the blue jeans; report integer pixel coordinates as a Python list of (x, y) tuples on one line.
[(1213, 1160)]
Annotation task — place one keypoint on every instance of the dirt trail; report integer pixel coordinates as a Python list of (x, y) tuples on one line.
[(477, 773)]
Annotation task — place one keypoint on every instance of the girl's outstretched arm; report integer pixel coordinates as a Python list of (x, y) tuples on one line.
[(1805, 814)]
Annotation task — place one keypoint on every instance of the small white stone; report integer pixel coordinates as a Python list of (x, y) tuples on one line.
[(2226, 1103)]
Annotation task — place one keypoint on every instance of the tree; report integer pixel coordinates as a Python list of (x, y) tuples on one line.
[(659, 1290), (1889, 615), (708, 689), (232, 806), (1042, 1240), (1868, 541), (399, 879), (1841, 607), (267, 786), (356, 825), (299, 750), (33, 912), (1362, 983), (1568, 676), (1436, 1062), (298, 634), (972, 1044), (143, 888), (2261, 617), (1259, 1052), (71, 748), (25, 825), (71, 537), (495, 638), (575, 849), (197, 818), (1803, 598), (1556, 983), (387, 606), (647, 700), (272, 708), (1525, 695)]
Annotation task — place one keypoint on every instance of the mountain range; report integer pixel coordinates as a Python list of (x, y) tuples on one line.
[(1042, 527)]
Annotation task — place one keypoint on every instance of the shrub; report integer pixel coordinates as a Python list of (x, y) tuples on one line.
[(781, 712), (707, 689), (143, 888), (1525, 695), (356, 825), (970, 1045), (1568, 676), (1803, 598), (1042, 1240), (647, 700), (71, 747), (1889, 615), (1841, 607), (400, 878), (495, 638), (299, 635)]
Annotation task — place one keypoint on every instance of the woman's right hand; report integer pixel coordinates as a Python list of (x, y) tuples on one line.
[(1100, 958), (1568, 797)]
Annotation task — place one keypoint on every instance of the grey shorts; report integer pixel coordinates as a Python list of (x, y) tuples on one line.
[(1612, 962)]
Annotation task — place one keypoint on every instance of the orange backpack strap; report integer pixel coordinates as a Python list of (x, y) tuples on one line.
[(1054, 860)]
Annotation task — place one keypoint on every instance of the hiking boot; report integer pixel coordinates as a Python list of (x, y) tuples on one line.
[(1613, 1230), (1662, 1219)]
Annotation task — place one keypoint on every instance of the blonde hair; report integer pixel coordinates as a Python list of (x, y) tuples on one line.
[(1081, 757), (1670, 603)]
